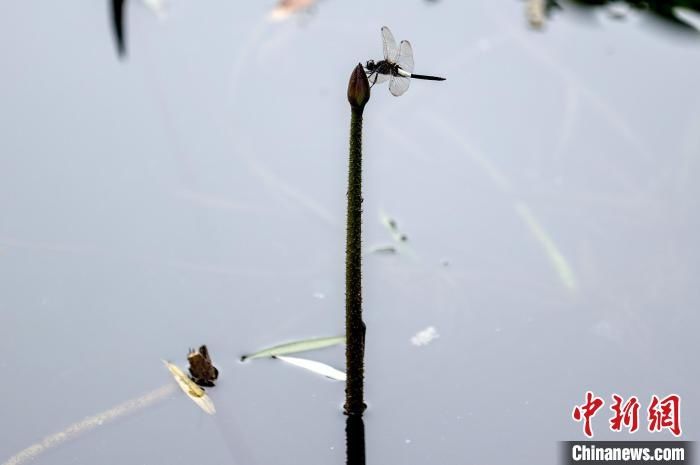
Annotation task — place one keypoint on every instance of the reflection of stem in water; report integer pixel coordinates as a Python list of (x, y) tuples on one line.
[(90, 423), (355, 440)]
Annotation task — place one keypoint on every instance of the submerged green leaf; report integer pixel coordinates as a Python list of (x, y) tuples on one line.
[(315, 367), (393, 227), (556, 258), (400, 244), (383, 249), (296, 346)]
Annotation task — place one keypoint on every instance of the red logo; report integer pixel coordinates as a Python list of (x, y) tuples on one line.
[(662, 413), (665, 414), (586, 411), (625, 415)]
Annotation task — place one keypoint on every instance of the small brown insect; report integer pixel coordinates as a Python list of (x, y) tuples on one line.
[(202, 371)]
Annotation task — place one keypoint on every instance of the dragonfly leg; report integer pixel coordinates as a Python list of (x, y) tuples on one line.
[(369, 78)]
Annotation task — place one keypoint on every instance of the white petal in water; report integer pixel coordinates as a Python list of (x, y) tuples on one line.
[(315, 367), (297, 346), (190, 388), (425, 337)]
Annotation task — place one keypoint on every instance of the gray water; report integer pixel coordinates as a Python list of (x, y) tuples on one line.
[(195, 193)]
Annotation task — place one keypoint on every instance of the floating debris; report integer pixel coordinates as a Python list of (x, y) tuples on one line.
[(535, 11), (315, 367), (425, 337), (202, 371), (286, 8), (538, 11), (296, 346), (190, 388)]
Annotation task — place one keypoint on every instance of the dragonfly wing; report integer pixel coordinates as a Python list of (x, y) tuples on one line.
[(391, 51), (405, 58), (398, 85), (378, 78)]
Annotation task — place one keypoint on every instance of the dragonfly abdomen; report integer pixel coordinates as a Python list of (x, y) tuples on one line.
[(426, 78)]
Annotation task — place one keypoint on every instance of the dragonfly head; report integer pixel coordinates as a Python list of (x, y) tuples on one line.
[(370, 65)]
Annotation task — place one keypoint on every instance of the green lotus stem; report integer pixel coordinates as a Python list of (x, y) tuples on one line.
[(358, 96)]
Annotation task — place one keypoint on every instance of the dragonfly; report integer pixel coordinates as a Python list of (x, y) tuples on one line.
[(397, 65)]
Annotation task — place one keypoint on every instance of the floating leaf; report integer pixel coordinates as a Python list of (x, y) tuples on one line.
[(315, 367), (189, 387), (297, 346)]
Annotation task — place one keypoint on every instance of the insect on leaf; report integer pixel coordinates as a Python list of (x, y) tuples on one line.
[(189, 387), (297, 346), (315, 367)]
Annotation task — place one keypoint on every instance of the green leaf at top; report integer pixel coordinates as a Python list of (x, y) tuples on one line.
[(297, 346)]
